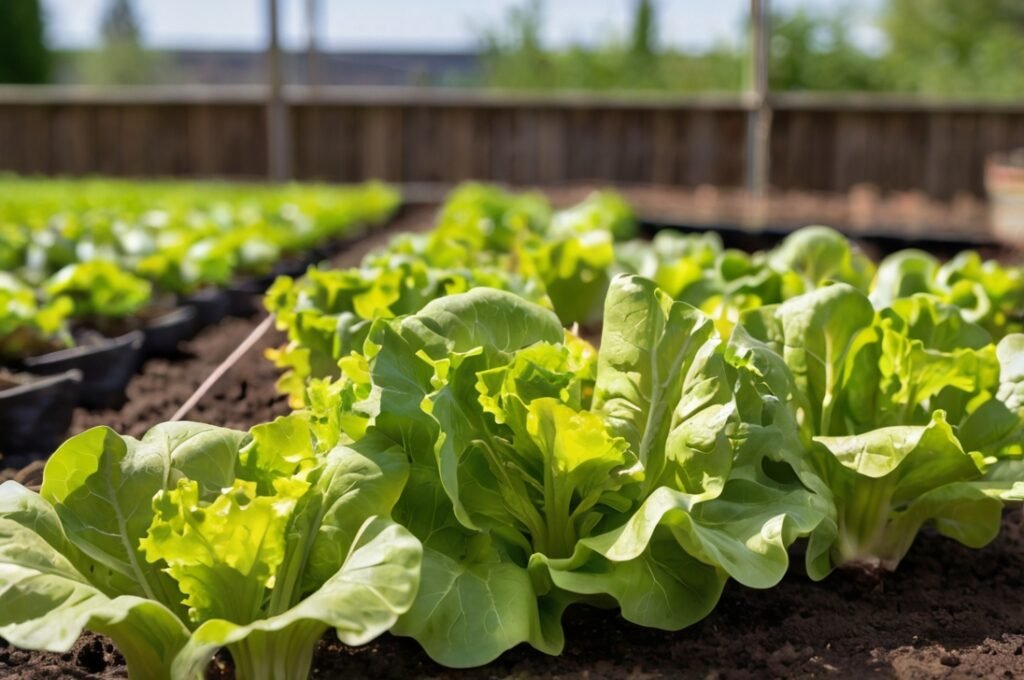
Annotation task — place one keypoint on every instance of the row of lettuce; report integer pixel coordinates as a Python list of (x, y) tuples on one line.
[(564, 260), (100, 253), (464, 467)]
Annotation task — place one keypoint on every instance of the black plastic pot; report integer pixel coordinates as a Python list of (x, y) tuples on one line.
[(106, 368), (164, 333), (36, 414), (883, 240), (246, 293), (211, 305), (244, 296), (294, 267)]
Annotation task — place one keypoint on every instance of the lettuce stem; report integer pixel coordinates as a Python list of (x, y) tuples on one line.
[(863, 520), (279, 654)]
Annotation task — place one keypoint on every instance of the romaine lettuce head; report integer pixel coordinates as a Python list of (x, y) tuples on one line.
[(903, 274), (541, 475), (820, 255), (197, 537), (717, 498), (887, 408)]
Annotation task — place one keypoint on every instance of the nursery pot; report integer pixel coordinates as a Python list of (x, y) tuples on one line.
[(246, 292), (244, 296), (164, 333), (211, 305), (106, 368), (36, 413)]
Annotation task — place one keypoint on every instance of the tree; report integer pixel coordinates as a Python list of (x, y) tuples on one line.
[(644, 34), (120, 25), (24, 57), (513, 51), (122, 59), (814, 51), (944, 47), (955, 47)]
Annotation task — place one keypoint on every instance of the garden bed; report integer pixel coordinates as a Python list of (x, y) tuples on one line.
[(244, 397), (947, 612)]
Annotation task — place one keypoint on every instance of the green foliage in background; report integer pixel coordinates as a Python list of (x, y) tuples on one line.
[(955, 47), (943, 47), (24, 58), (514, 57), (815, 51), (122, 59)]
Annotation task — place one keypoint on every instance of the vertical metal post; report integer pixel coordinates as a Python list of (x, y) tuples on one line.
[(312, 65), (278, 132), (759, 115)]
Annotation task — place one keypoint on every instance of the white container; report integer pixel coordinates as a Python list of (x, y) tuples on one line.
[(1004, 181)]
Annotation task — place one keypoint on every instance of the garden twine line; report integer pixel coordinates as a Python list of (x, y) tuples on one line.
[(223, 368)]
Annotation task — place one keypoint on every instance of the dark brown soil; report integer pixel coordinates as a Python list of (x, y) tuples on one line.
[(949, 612)]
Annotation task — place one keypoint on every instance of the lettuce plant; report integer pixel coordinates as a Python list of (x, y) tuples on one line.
[(14, 241), (542, 476), (898, 412), (819, 255), (718, 498), (569, 253), (723, 283), (677, 262), (179, 236), (987, 293), (996, 426), (477, 225), (327, 314), (28, 327), (100, 289), (600, 211), (573, 268), (196, 538), (574, 255)]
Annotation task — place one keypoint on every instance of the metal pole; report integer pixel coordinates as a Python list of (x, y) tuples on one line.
[(759, 115), (312, 21), (278, 135)]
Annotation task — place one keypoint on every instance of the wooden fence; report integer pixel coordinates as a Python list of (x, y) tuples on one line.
[(826, 143)]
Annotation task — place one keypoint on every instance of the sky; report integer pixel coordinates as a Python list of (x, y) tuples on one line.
[(401, 24)]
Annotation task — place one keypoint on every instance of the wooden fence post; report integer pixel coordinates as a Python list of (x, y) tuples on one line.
[(278, 129), (759, 113)]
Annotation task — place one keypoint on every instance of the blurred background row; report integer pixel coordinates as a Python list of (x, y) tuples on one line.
[(877, 113), (939, 47)]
